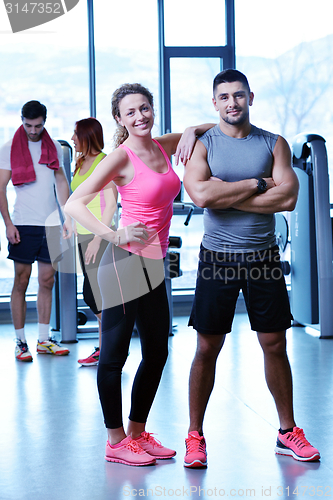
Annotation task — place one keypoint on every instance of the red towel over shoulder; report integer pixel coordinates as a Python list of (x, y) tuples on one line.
[(20, 158)]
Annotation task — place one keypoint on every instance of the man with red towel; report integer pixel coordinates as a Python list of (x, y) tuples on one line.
[(33, 161)]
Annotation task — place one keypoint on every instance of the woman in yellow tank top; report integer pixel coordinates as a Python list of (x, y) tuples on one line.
[(88, 141)]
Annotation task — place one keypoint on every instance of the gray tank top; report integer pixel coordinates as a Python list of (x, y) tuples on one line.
[(233, 160)]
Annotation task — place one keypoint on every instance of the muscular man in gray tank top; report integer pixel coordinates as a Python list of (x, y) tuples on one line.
[(241, 176), (234, 159)]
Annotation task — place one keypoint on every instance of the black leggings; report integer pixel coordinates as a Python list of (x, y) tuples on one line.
[(150, 312), (90, 290)]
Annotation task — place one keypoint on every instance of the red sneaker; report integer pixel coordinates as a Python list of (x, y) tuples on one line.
[(152, 446), (196, 455), (128, 452), (296, 445), (91, 360)]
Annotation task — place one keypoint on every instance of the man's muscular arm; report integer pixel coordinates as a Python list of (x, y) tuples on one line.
[(218, 195), (283, 195)]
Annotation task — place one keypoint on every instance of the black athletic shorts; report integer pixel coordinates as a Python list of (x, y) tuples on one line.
[(37, 243), (220, 278)]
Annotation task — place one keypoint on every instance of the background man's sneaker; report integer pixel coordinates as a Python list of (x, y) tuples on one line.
[(91, 360), (196, 455), (128, 452), (51, 346), (296, 445), (149, 444), (22, 352)]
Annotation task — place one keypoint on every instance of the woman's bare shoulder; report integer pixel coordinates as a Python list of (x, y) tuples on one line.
[(117, 158)]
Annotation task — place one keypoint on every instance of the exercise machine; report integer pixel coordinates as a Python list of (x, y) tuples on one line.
[(64, 306), (311, 237)]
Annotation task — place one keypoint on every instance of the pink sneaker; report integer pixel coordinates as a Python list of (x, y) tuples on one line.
[(196, 455), (128, 452), (152, 446), (296, 445), (91, 360)]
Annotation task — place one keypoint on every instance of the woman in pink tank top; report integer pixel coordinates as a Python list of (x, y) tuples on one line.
[(131, 272)]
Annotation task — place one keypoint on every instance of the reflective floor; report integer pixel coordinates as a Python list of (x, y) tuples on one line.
[(52, 436)]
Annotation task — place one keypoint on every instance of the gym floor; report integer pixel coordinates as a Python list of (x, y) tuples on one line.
[(52, 435)]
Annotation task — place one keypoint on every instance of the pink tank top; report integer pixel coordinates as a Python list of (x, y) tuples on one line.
[(148, 198)]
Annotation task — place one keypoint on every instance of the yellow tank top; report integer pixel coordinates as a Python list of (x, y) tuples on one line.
[(97, 205)]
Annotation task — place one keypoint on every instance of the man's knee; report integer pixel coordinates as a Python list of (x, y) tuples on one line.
[(273, 343), (21, 284), (21, 280), (209, 346), (46, 278), (46, 282)]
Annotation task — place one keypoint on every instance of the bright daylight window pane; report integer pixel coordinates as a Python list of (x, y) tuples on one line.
[(192, 92), (126, 52), (191, 104), (287, 54), (48, 63), (189, 23)]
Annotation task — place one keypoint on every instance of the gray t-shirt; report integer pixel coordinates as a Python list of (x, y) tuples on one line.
[(232, 160)]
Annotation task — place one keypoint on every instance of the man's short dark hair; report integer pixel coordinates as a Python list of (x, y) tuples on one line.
[(33, 109), (229, 76)]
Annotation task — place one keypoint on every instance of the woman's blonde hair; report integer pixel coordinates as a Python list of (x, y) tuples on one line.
[(121, 133)]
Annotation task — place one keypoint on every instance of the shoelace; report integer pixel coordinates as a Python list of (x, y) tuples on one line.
[(23, 346), (148, 436), (298, 437), (53, 341), (135, 447), (195, 444)]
